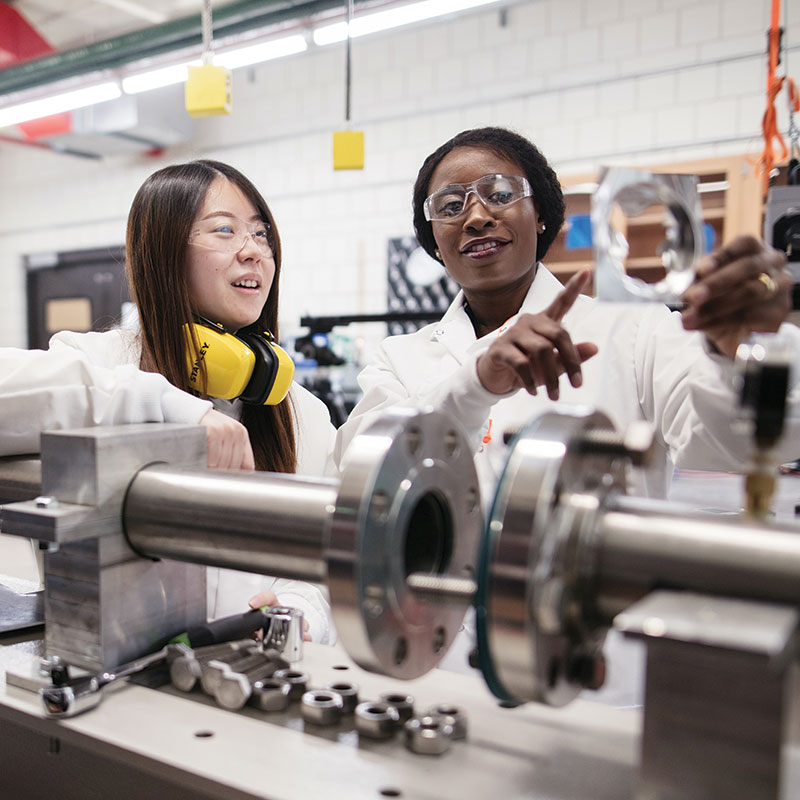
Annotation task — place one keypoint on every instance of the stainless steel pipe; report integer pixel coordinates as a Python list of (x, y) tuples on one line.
[(407, 502), (20, 478), (566, 551), (642, 545), (257, 522)]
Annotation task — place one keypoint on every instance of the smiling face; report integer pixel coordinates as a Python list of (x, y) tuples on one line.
[(485, 250), (228, 288)]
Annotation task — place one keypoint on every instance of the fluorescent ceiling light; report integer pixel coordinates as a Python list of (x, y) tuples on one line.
[(232, 59), (55, 104), (393, 18), (156, 78), (264, 51)]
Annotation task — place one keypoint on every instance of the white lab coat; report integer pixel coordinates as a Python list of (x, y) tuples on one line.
[(647, 368), (87, 379)]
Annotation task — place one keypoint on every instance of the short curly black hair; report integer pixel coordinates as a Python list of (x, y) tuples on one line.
[(547, 195)]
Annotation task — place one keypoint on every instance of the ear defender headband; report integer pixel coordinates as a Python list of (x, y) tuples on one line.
[(250, 366)]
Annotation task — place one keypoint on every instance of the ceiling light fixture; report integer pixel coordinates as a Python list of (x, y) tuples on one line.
[(55, 104), (157, 78), (393, 18), (235, 58), (232, 59), (264, 51)]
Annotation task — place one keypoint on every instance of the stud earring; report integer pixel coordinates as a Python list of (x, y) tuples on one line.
[(544, 228), (437, 254)]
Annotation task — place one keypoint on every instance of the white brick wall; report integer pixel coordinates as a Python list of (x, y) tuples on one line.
[(591, 81), (619, 40)]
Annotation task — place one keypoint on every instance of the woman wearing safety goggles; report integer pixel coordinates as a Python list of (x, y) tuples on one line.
[(487, 205)]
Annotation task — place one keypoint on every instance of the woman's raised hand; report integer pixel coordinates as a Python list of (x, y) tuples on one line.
[(739, 289), (536, 350), (228, 442)]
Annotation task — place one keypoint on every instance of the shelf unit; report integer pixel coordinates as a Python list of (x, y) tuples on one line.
[(730, 195)]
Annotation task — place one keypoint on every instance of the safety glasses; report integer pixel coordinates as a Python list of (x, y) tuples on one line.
[(230, 235), (494, 191)]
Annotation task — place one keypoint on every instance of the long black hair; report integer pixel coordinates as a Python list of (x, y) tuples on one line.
[(159, 225)]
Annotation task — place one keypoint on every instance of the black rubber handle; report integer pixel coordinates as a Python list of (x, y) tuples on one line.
[(226, 629)]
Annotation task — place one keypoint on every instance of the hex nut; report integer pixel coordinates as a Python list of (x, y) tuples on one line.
[(348, 692), (404, 703), (428, 735), (298, 682), (376, 720), (321, 707), (270, 694), (452, 715)]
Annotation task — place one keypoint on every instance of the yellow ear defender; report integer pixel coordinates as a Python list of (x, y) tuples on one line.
[(250, 366)]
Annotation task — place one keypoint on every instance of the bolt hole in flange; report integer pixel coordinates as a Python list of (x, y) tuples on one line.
[(400, 650), (379, 506), (472, 500), (390, 793), (451, 444), (204, 734), (414, 441)]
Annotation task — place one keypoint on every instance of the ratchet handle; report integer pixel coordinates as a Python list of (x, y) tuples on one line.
[(72, 699), (226, 629)]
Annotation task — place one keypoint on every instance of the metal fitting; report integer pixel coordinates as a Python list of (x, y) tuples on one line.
[(404, 703), (428, 735), (284, 632), (235, 688), (298, 682), (47, 663), (270, 694), (185, 664), (349, 694), (638, 443), (321, 707), (376, 720), (211, 672), (45, 501), (451, 715)]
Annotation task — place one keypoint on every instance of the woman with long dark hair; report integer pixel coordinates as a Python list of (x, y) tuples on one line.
[(201, 246)]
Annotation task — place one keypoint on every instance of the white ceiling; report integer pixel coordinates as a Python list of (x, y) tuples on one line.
[(67, 24)]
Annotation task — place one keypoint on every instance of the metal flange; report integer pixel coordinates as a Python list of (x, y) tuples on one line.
[(533, 642), (408, 503)]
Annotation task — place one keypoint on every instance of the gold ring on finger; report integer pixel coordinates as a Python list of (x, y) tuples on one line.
[(769, 282)]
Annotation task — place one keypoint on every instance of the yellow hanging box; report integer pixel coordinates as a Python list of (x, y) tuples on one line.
[(209, 91)]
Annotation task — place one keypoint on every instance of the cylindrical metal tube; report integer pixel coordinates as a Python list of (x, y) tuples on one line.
[(643, 545), (20, 478), (257, 522)]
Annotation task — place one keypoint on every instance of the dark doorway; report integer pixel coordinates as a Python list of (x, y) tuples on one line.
[(84, 290)]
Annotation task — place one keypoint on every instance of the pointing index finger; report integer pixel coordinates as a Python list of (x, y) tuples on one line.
[(567, 296)]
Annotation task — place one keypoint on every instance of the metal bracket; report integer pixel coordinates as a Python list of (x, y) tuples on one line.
[(717, 700)]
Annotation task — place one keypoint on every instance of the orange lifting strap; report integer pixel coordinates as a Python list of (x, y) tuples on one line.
[(769, 123)]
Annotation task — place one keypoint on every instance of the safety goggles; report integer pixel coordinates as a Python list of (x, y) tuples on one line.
[(230, 235), (494, 191)]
